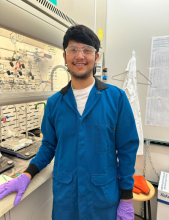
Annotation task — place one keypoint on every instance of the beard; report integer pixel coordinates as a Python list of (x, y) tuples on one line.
[(82, 76)]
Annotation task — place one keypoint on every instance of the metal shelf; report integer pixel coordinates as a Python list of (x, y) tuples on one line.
[(157, 142)]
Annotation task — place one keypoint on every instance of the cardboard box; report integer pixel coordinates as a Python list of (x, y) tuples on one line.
[(163, 197)]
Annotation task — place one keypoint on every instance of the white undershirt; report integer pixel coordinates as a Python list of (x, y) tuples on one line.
[(81, 96)]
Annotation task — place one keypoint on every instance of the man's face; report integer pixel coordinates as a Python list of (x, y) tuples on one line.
[(80, 65)]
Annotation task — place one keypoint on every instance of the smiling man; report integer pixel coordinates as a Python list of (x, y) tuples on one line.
[(82, 67), (86, 126)]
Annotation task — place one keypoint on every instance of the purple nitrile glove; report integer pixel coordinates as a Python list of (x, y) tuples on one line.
[(16, 185), (125, 210)]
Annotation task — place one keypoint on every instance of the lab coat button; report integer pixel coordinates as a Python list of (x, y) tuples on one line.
[(98, 92)]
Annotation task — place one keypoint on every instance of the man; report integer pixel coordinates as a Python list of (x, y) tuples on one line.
[(84, 125)]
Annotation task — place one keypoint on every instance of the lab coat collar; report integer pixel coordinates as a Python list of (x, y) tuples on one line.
[(98, 84), (93, 98)]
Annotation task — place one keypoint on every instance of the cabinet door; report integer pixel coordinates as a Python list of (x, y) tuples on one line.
[(45, 212)]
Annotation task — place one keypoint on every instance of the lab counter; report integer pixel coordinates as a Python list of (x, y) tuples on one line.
[(36, 202)]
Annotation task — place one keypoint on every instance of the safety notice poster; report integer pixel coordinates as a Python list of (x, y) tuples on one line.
[(157, 108)]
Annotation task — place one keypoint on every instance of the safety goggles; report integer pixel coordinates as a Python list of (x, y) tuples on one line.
[(86, 50)]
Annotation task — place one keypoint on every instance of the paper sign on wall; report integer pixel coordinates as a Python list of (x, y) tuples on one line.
[(53, 1), (100, 33), (157, 107)]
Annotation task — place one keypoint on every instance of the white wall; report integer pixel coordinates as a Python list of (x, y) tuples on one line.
[(131, 25)]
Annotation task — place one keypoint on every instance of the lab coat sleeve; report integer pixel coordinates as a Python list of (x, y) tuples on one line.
[(127, 143), (49, 142)]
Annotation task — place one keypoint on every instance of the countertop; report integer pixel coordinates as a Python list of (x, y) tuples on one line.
[(20, 166)]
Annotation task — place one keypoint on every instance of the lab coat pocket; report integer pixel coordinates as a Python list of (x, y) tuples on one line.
[(62, 189), (105, 189), (105, 138)]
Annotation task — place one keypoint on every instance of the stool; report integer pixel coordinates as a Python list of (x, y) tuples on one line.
[(143, 198)]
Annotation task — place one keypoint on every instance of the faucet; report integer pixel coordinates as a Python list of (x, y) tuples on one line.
[(39, 103)]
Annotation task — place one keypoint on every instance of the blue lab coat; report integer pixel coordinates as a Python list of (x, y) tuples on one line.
[(87, 182)]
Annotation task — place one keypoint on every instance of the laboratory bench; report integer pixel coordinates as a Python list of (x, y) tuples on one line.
[(36, 203)]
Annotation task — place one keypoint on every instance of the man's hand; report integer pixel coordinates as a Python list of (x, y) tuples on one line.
[(125, 210), (27, 174), (16, 185)]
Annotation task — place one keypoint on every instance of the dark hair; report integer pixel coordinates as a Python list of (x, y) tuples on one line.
[(81, 34)]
